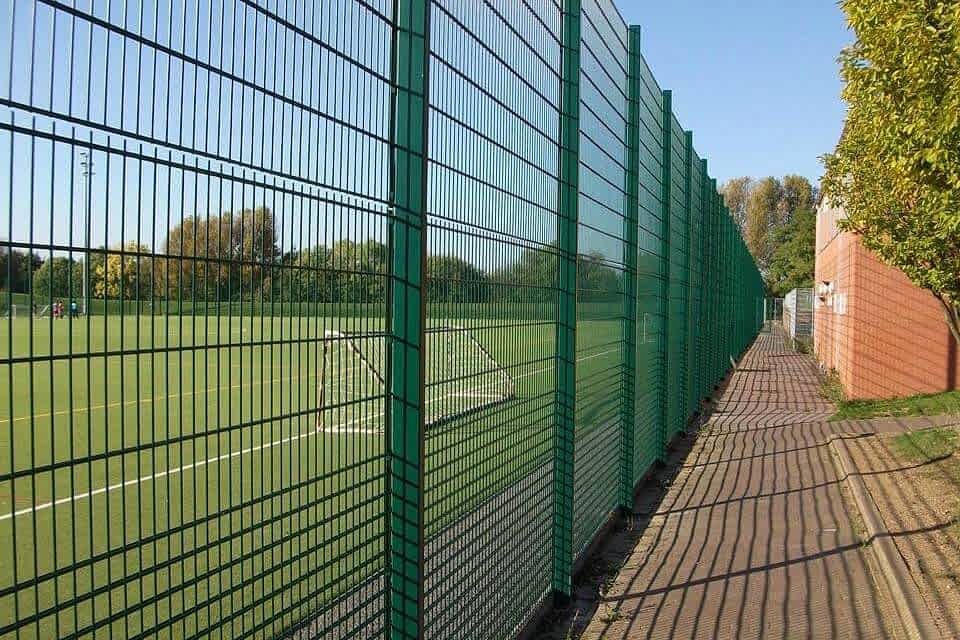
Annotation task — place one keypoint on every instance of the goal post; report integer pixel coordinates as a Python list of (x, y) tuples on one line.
[(462, 377), (347, 376)]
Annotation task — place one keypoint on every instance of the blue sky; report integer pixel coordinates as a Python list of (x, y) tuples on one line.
[(221, 124), (756, 80)]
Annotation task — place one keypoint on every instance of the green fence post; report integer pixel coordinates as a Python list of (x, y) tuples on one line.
[(710, 289), (716, 320), (723, 362), (406, 319), (728, 290), (566, 339), (724, 324), (705, 276), (630, 226), (665, 194), (687, 298)]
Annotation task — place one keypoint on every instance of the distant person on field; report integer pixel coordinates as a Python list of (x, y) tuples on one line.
[(74, 309)]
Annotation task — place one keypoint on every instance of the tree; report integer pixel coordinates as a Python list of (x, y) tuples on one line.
[(798, 195), (736, 195), (794, 255), (453, 279), (124, 277), (763, 219), (17, 269), (896, 169), (58, 277), (358, 271), (311, 277), (532, 278), (197, 263), (218, 258), (763, 207), (596, 281)]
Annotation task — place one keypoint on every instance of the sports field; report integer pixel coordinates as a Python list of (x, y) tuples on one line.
[(227, 473)]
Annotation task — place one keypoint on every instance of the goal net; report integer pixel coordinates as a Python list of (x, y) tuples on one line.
[(462, 377)]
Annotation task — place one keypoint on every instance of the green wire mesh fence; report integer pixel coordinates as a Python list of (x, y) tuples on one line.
[(336, 319)]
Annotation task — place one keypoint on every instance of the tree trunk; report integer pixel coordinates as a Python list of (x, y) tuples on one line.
[(951, 313)]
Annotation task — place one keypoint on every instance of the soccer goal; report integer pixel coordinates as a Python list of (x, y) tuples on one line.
[(462, 377)]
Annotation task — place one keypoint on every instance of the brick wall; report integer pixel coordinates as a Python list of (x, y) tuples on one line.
[(884, 336)]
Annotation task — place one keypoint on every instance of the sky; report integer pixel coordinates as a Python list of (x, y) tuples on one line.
[(755, 80), (212, 122)]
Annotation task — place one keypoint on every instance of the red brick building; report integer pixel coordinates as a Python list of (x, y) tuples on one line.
[(883, 335)]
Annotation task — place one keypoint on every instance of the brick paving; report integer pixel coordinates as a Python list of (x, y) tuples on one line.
[(753, 538)]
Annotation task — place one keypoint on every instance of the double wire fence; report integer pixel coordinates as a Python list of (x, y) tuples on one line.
[(336, 319)]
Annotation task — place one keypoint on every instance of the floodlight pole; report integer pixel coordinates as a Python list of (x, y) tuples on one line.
[(86, 164)]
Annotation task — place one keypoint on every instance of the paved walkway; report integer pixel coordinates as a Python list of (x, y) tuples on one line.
[(753, 538)]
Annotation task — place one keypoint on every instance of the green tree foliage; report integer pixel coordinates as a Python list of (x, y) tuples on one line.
[(793, 259), (58, 278), (124, 275), (798, 195), (532, 278), (763, 207), (896, 170), (224, 257), (311, 277), (763, 219), (452, 279), (736, 195), (358, 271), (17, 269), (596, 281)]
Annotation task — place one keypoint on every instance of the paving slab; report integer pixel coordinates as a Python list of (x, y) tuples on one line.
[(753, 538)]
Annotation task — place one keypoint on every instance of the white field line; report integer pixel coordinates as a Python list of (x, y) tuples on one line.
[(149, 400), (201, 463), (155, 476)]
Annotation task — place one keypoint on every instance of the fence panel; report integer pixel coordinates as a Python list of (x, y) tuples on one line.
[(695, 188), (492, 241), (600, 268), (210, 468), (370, 320), (678, 282), (648, 421)]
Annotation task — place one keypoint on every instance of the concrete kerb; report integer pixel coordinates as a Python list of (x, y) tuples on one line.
[(914, 616)]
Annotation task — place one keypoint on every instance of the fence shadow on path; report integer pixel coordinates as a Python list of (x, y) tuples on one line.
[(749, 536)]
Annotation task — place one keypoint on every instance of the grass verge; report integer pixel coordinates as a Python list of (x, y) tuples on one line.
[(936, 445), (927, 445), (920, 405)]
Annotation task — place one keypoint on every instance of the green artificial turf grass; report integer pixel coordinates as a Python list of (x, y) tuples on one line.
[(206, 494)]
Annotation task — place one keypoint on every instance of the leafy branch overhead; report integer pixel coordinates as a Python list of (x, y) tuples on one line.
[(896, 170)]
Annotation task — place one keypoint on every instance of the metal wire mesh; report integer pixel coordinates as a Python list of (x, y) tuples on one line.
[(491, 266), (340, 319), (205, 185), (602, 254)]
